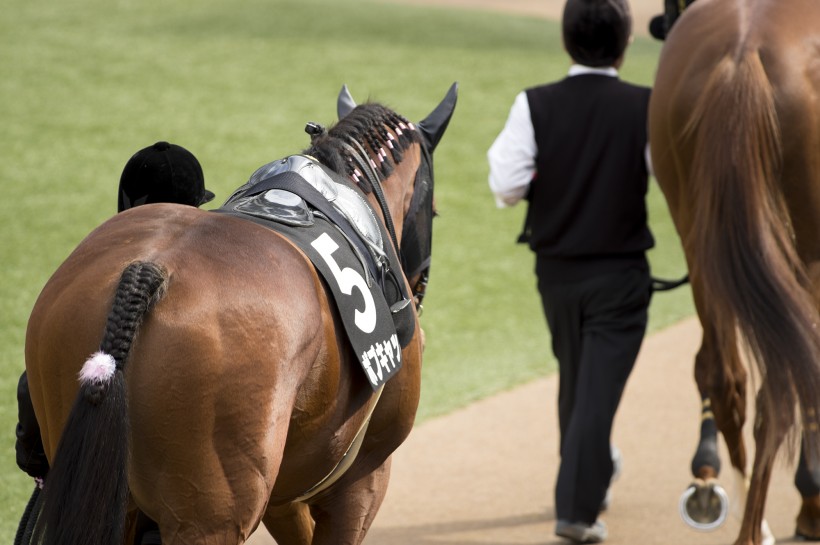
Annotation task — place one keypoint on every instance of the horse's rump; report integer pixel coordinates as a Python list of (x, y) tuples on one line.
[(237, 298)]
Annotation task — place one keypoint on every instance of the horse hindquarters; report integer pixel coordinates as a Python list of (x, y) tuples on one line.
[(742, 255), (751, 273)]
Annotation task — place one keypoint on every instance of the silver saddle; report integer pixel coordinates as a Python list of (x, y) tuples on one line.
[(283, 205)]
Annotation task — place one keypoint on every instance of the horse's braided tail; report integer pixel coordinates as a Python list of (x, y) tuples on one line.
[(85, 495), (745, 250)]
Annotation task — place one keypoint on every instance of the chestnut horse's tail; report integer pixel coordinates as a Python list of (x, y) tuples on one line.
[(85, 495), (742, 241)]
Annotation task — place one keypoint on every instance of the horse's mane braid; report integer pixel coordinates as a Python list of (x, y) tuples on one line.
[(370, 125)]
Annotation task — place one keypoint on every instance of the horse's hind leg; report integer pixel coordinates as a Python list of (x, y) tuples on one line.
[(721, 378), (807, 480), (721, 381), (807, 475), (753, 530)]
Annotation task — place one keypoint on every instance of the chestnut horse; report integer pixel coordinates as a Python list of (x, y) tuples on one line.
[(735, 134), (224, 391)]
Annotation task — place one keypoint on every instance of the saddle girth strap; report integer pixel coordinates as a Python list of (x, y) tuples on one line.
[(347, 458)]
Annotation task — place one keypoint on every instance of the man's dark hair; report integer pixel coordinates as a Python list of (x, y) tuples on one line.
[(596, 32)]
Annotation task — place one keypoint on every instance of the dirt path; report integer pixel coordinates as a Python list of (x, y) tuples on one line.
[(484, 475)]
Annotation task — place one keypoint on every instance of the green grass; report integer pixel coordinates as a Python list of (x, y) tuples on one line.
[(88, 82)]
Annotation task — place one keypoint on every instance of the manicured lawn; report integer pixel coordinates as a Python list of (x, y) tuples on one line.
[(88, 82)]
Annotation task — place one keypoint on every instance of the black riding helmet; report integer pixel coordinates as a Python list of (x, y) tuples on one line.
[(162, 173)]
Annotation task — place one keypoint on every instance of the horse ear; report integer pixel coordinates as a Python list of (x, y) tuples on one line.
[(345, 102), (433, 126)]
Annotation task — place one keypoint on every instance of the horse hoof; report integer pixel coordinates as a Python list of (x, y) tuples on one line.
[(704, 505), (808, 520), (802, 536)]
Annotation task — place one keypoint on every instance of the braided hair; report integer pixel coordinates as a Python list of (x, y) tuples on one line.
[(373, 126)]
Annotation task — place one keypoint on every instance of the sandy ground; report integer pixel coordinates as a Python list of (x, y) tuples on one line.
[(485, 474)]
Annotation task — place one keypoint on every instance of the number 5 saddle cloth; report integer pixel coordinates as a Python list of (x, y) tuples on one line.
[(330, 220)]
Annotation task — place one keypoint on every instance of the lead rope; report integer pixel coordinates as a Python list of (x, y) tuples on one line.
[(30, 515), (659, 284)]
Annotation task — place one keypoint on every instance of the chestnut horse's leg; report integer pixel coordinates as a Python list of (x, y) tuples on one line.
[(289, 524), (728, 399), (721, 380), (807, 480), (807, 475), (753, 529), (344, 515)]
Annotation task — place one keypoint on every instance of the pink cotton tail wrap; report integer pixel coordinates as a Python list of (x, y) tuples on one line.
[(98, 369)]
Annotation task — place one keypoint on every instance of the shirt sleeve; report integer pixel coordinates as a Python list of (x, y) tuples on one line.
[(512, 155)]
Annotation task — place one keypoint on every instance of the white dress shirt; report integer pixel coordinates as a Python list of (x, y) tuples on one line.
[(512, 155)]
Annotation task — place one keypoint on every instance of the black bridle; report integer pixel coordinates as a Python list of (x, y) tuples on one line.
[(417, 231), (416, 248)]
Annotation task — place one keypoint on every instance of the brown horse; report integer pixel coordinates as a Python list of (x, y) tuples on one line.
[(224, 391), (735, 134)]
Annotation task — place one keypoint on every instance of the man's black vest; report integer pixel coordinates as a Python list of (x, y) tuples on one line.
[(588, 196)]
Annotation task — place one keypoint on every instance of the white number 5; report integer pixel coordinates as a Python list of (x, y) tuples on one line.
[(348, 279)]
